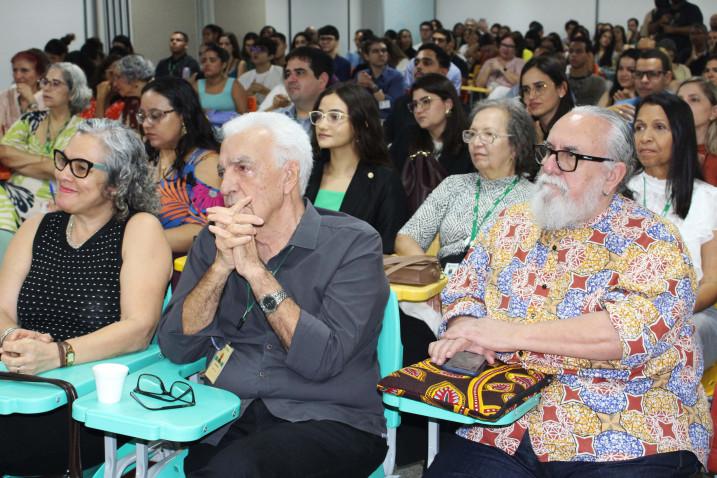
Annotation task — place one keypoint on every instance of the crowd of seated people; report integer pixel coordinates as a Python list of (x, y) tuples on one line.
[(582, 155)]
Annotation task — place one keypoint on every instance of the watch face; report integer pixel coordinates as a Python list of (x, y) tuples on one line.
[(269, 303)]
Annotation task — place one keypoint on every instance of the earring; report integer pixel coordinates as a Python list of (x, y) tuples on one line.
[(184, 129), (448, 111)]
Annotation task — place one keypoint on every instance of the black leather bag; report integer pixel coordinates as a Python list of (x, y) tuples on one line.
[(421, 174), (74, 465)]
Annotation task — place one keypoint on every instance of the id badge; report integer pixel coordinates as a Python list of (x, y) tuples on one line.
[(220, 359)]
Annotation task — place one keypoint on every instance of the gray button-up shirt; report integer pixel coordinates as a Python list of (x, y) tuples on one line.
[(332, 268)]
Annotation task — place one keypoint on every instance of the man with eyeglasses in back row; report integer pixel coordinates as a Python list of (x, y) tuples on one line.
[(596, 290), (653, 74)]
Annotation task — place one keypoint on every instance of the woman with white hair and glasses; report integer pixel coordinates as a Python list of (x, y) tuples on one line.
[(26, 149), (500, 141), (131, 74), (108, 253)]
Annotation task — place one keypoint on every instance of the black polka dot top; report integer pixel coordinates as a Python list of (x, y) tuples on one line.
[(71, 292)]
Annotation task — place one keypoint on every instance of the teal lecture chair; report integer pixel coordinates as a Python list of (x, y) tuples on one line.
[(153, 455)]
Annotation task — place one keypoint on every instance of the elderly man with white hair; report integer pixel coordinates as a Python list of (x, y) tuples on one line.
[(587, 285), (287, 303)]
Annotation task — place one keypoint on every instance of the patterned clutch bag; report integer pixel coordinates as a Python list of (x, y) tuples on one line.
[(488, 396)]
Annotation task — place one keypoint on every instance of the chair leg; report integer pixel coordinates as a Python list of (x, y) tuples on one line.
[(142, 454), (389, 463), (433, 440), (111, 470)]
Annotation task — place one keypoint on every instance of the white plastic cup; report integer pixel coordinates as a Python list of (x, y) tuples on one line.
[(109, 378)]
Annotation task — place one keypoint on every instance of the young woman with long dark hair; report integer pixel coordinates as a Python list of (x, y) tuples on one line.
[(352, 172)]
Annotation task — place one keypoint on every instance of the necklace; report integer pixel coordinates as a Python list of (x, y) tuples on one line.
[(68, 234), (49, 141)]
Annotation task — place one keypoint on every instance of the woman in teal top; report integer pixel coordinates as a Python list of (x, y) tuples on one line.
[(352, 173), (328, 199), (218, 92)]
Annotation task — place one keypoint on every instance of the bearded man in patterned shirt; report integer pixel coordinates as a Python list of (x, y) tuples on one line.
[(589, 286)]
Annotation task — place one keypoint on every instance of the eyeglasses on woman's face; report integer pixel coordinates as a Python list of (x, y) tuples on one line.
[(484, 137), (153, 115), (54, 83), (537, 89), (333, 116), (420, 104), (79, 167)]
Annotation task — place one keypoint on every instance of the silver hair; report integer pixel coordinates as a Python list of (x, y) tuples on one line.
[(620, 140), (520, 128), (291, 143), (80, 93), (130, 182), (135, 68)]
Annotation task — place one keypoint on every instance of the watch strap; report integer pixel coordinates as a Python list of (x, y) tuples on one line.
[(279, 296), (61, 350)]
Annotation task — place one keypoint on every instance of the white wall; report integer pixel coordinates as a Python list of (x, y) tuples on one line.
[(153, 23), (31, 23), (317, 13), (409, 14)]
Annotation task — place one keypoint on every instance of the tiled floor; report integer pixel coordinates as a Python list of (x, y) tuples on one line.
[(414, 470)]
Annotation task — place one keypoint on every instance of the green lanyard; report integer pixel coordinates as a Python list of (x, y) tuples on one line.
[(250, 297), (668, 203), (476, 227), (48, 148)]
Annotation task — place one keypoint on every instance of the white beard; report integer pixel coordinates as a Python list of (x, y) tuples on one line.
[(557, 211)]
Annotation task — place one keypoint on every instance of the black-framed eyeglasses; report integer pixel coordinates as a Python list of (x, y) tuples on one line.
[(79, 167), (152, 386), (153, 115), (567, 161), (651, 74)]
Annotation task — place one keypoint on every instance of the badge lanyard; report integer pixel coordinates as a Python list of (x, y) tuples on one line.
[(668, 203), (250, 297), (476, 226)]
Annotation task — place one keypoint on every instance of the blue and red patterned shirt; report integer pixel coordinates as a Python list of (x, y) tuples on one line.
[(630, 263)]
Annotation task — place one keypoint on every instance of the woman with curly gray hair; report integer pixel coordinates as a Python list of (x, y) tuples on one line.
[(108, 253), (26, 149), (131, 73)]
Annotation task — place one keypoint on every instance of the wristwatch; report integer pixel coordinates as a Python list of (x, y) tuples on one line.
[(69, 355), (270, 302)]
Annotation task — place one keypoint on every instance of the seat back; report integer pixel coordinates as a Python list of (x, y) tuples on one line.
[(390, 351), (390, 348)]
